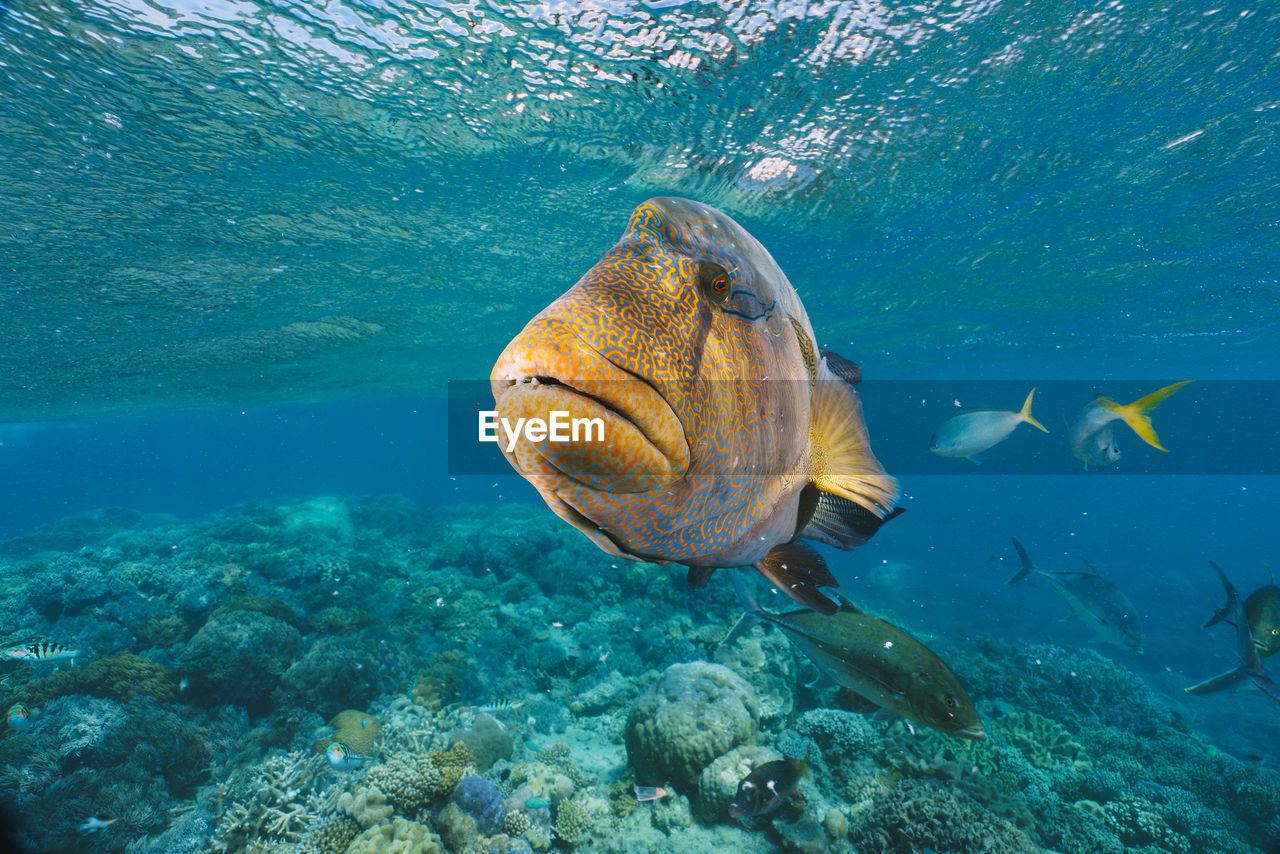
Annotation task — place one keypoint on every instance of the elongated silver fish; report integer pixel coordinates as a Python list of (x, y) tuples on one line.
[(969, 433), (1249, 669), (1093, 600), (874, 659)]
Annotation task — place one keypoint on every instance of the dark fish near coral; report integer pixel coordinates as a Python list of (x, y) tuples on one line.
[(766, 787), (875, 659), (969, 433), (727, 433), (1249, 670), (42, 651), (1092, 439), (1093, 600), (1262, 610)]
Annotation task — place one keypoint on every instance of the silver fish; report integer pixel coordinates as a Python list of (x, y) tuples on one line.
[(1092, 439), (969, 433), (1093, 600)]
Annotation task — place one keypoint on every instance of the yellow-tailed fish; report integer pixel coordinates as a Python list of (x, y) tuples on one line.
[(1262, 611), (876, 660), (727, 432), (1248, 671), (969, 433), (1092, 439), (1093, 600)]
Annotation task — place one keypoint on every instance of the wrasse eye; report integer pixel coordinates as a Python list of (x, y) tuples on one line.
[(950, 701), (714, 280)]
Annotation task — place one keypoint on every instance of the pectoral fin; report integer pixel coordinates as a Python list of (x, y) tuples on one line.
[(699, 576), (840, 522), (799, 571), (1221, 682), (842, 461)]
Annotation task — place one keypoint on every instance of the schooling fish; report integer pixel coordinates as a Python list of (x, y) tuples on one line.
[(342, 758), (1262, 610), (42, 651), (874, 659), (1093, 600), (18, 717), (724, 432), (1250, 666), (969, 433), (766, 787), (1092, 439)]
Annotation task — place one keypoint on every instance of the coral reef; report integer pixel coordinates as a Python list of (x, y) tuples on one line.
[(238, 656), (119, 676), (401, 836), (1045, 742), (692, 714), (329, 835)]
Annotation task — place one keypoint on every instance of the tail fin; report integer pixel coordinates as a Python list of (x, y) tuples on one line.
[(1250, 665), (1026, 413), (1027, 566), (1223, 613), (1138, 414)]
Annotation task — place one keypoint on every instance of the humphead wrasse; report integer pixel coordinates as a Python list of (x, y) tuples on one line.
[(727, 433)]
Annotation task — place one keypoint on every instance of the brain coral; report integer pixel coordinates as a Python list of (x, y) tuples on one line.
[(692, 714)]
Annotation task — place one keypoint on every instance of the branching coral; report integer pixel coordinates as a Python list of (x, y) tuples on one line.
[(279, 801)]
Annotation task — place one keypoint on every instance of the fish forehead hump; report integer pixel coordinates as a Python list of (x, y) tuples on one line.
[(734, 375)]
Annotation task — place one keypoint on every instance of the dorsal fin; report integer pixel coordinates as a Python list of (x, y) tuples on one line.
[(1093, 570)]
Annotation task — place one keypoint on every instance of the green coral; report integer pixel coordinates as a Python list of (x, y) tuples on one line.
[(357, 730), (162, 629), (572, 823), (1139, 824), (411, 782), (329, 835), (119, 676), (1046, 743), (399, 837), (263, 604)]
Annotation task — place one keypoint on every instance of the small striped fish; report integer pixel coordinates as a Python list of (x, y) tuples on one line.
[(42, 651), (503, 705)]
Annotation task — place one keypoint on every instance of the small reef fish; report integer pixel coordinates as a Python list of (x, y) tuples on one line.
[(42, 651), (766, 787), (1092, 438), (18, 717), (93, 824), (726, 433), (649, 793), (503, 705), (969, 433), (1093, 600), (342, 758), (875, 660), (1262, 610), (536, 804), (1250, 665)]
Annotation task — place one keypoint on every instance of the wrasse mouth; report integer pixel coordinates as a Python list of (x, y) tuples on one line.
[(974, 733), (630, 439)]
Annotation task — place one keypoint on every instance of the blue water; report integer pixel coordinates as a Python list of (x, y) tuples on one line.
[(254, 254)]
